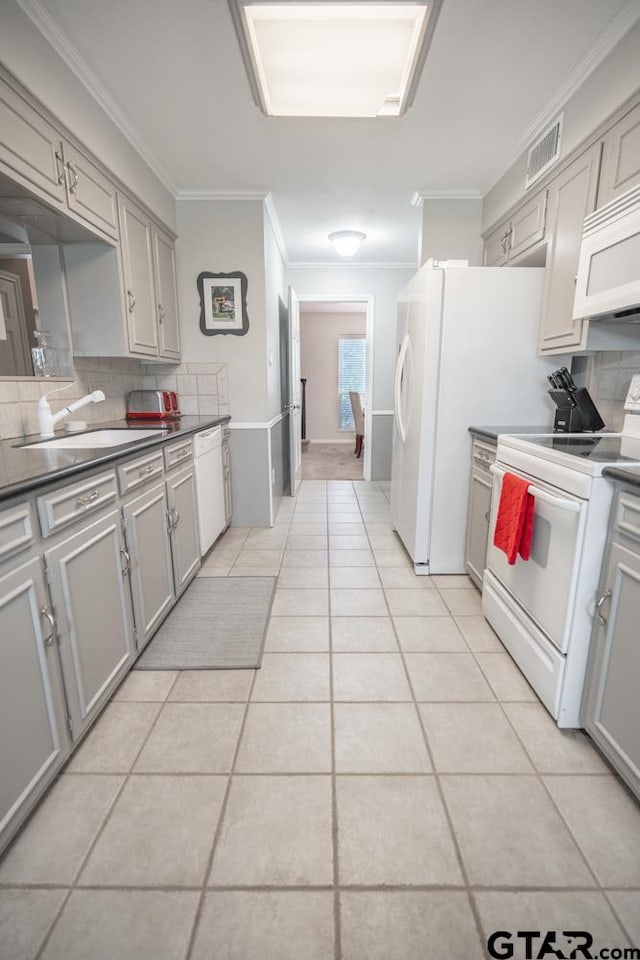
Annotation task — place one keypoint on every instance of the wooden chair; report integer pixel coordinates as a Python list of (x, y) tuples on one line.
[(358, 420)]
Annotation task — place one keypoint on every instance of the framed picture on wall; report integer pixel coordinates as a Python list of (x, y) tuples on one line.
[(223, 303)]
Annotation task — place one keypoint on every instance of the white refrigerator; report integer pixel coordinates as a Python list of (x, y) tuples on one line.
[(467, 356)]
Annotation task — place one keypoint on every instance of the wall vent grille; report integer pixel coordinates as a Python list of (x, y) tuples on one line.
[(544, 152)]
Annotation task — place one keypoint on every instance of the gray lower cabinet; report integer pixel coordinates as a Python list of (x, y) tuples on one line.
[(185, 542), (611, 707), (480, 486), (33, 734), (146, 522), (92, 607)]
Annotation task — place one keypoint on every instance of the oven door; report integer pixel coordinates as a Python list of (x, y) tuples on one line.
[(545, 584)]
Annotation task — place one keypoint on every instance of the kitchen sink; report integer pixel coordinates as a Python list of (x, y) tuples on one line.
[(93, 439)]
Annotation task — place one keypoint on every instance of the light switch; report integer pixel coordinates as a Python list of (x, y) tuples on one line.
[(270, 357)]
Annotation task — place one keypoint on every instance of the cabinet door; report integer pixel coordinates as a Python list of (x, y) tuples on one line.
[(612, 707), (527, 226), (92, 607), (31, 147), (33, 734), (147, 534), (90, 194), (478, 525), (185, 543), (572, 195), (137, 263), (620, 168), (166, 295), (496, 247)]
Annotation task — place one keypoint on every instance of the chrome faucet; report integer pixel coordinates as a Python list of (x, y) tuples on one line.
[(47, 420)]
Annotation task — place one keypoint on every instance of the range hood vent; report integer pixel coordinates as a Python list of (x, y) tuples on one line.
[(544, 152)]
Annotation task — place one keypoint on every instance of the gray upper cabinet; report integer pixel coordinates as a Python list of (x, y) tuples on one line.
[(185, 543), (611, 709), (519, 234), (146, 521), (33, 733), (166, 294), (31, 148), (91, 195), (137, 266), (38, 156), (572, 195), (92, 608), (620, 168)]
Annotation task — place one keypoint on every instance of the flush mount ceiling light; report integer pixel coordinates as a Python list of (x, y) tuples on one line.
[(334, 59), (347, 242)]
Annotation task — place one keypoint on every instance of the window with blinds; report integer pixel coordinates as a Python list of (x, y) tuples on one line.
[(352, 353)]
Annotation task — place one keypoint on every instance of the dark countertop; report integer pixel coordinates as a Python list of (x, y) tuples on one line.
[(24, 470), (491, 433), (627, 474)]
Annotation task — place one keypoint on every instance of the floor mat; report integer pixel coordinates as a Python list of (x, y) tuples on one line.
[(219, 624)]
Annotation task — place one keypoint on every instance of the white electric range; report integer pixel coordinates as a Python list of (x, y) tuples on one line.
[(542, 609)]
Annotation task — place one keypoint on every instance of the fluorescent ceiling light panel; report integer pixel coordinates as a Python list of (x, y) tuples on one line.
[(333, 59)]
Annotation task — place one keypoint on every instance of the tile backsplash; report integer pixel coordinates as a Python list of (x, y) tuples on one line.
[(608, 378), (202, 388)]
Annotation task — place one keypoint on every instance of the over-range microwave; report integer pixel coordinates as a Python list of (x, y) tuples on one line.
[(608, 280)]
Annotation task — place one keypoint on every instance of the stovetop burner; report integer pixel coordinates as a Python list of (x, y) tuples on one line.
[(594, 447)]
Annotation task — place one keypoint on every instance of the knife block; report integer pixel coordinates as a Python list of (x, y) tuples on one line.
[(578, 417)]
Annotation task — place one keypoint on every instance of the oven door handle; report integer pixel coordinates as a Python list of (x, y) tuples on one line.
[(570, 505)]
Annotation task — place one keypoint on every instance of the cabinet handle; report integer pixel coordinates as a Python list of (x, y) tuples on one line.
[(126, 570), (176, 517), (504, 242), (145, 471), (599, 605), (132, 301), (169, 521), (161, 313), (73, 170), (60, 164), (46, 613), (88, 498), (487, 516)]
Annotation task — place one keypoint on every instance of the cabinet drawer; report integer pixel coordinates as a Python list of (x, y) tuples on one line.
[(178, 453), (64, 506), (16, 530), (136, 472), (627, 516), (483, 454)]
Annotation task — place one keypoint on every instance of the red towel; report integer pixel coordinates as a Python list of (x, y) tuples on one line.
[(514, 523)]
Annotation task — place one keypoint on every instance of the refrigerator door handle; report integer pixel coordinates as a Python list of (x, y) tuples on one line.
[(397, 407)]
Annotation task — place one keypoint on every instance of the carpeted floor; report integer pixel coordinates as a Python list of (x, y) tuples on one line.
[(331, 461)]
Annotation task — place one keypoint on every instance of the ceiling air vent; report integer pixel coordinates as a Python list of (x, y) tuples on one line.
[(544, 152)]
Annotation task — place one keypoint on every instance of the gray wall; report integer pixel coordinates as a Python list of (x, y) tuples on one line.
[(451, 230), (250, 477), (382, 428)]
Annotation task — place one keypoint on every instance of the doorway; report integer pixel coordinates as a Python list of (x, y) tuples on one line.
[(335, 347)]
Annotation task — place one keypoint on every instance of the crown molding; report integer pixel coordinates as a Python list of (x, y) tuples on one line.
[(52, 33), (222, 194), (342, 264), (272, 216), (621, 24), (461, 193)]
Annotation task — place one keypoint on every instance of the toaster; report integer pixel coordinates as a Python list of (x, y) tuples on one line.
[(152, 405)]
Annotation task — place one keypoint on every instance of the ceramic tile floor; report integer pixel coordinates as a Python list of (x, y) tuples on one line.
[(386, 787)]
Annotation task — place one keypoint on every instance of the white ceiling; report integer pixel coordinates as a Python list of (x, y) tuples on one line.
[(174, 70)]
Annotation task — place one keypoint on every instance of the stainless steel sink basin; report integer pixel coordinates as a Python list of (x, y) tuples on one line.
[(93, 439)]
